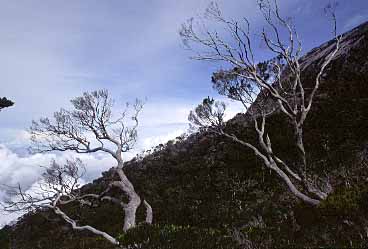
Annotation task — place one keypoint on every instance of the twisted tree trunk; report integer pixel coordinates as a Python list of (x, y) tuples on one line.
[(134, 200)]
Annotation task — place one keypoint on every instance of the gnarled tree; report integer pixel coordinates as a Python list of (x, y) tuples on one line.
[(57, 187), (91, 127), (262, 87)]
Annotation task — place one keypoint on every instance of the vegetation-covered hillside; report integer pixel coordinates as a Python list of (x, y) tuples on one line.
[(209, 193)]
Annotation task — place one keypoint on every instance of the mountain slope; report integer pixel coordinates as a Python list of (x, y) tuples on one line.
[(204, 187)]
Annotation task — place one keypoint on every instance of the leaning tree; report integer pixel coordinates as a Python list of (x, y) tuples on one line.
[(90, 127), (263, 88)]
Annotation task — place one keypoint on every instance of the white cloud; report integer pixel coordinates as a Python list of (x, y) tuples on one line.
[(27, 170), (24, 170), (8, 218), (150, 142), (233, 108), (15, 137)]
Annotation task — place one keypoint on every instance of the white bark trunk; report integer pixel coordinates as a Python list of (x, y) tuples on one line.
[(292, 187), (311, 189), (88, 228), (130, 209), (149, 213), (272, 165)]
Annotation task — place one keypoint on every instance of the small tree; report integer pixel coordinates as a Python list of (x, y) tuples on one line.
[(258, 85), (4, 102), (58, 186), (90, 127)]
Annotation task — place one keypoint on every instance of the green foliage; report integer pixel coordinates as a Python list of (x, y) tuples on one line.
[(4, 237), (346, 201), (4, 102), (176, 237)]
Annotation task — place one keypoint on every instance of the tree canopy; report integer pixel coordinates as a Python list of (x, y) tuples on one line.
[(4, 102)]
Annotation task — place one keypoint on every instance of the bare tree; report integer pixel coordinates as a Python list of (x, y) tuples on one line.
[(58, 186), (90, 127), (255, 84)]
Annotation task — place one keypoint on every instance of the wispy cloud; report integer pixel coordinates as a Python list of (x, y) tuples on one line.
[(26, 170)]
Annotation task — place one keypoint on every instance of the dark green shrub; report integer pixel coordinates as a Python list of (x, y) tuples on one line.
[(4, 237), (176, 237)]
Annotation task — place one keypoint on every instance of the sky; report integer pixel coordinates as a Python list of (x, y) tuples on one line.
[(53, 51)]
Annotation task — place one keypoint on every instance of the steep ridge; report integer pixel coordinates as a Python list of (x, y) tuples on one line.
[(210, 188)]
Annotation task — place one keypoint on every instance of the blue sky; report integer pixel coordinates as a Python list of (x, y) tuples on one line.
[(52, 51)]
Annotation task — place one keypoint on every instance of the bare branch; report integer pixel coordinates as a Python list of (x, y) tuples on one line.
[(258, 85), (88, 228), (89, 127), (208, 115)]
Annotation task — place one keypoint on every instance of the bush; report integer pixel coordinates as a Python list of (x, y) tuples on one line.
[(4, 237), (176, 237)]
